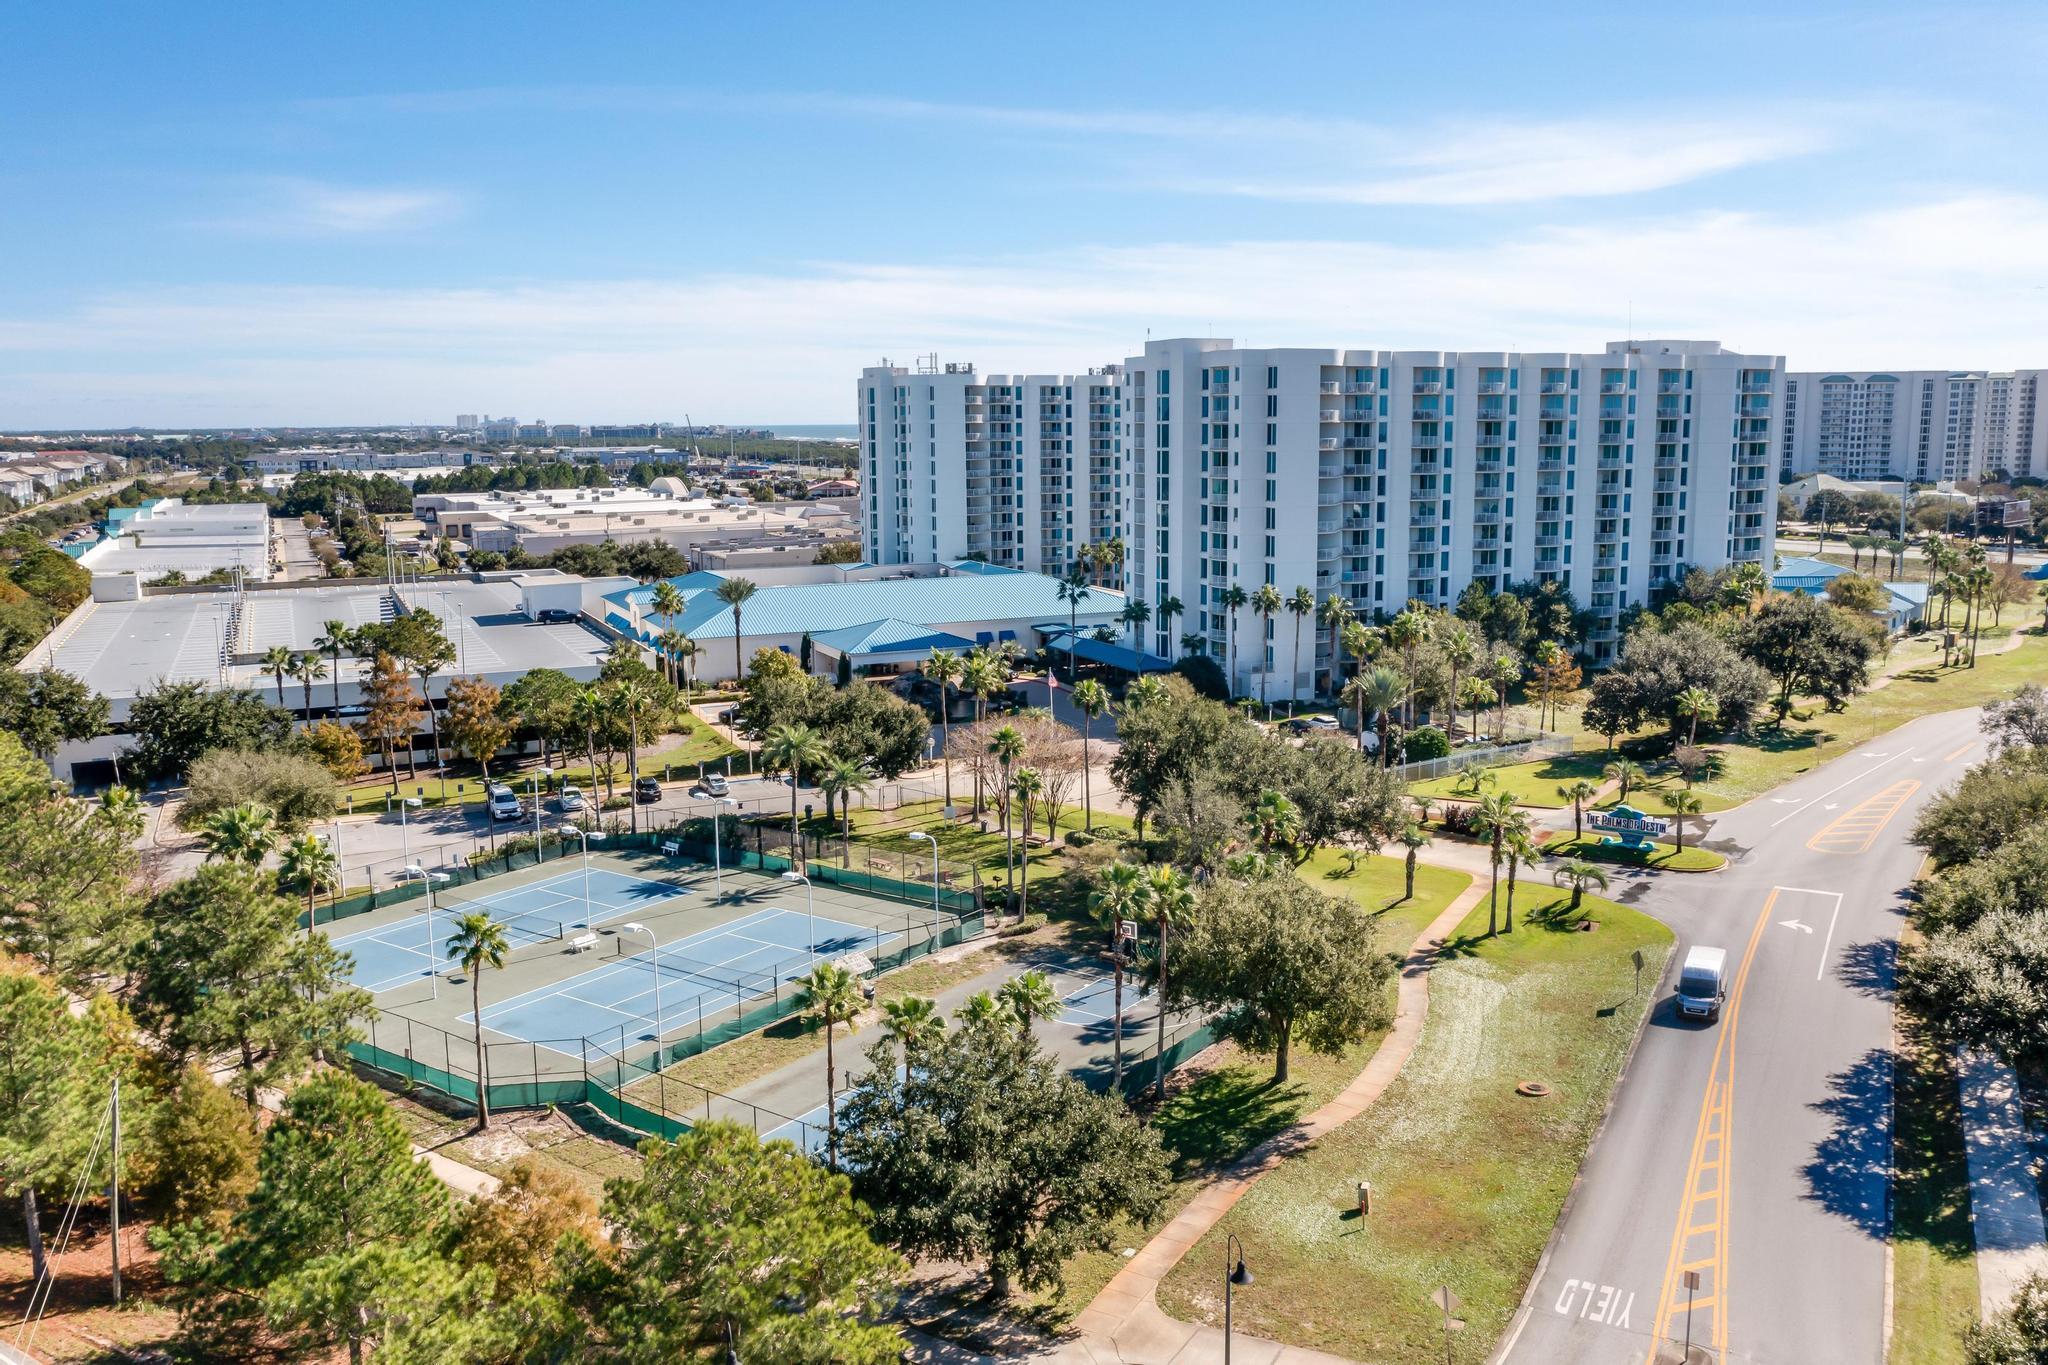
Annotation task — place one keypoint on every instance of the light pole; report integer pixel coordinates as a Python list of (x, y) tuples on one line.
[(810, 914), (653, 965), (584, 836), (920, 834), (405, 803), (717, 857), (1232, 1276), (533, 795)]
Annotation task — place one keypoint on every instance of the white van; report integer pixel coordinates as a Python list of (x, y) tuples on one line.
[(1703, 983), (504, 802)]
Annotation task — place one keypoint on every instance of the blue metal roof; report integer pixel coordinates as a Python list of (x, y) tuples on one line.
[(1116, 656), (979, 592), (1805, 570), (891, 636)]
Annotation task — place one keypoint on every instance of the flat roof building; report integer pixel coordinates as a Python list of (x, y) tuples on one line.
[(544, 520), (168, 536)]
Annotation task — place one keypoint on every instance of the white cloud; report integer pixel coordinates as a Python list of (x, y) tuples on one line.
[(1950, 282), (294, 207)]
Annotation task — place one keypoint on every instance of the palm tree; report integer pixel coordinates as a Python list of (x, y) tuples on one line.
[(308, 669), (845, 778), (1091, 699), (122, 808), (1407, 632), (1461, 653), (1027, 997), (1520, 847), (1172, 903), (944, 668), (1119, 896), (1496, 817), (1169, 608), (1580, 794), (1073, 590), (1682, 804), (1300, 603), (914, 1024), (1382, 691), (1697, 704), (1625, 771), (1857, 545), (588, 710), (1579, 874), (337, 639), (1193, 642), (1027, 785), (1475, 694), (1232, 600), (479, 942), (630, 699), (1265, 602), (1333, 615), (1414, 838), (240, 834), (1506, 672), (307, 862), (832, 995), (794, 747), (1007, 746), (686, 651), (1274, 818), (1136, 613), (277, 662), (1746, 586), (735, 593), (668, 602), (1361, 642), (672, 643), (978, 1010)]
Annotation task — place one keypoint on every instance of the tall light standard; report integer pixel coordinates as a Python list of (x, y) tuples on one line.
[(584, 836), (653, 965), (926, 838), (718, 857), (810, 914), (405, 803), (1237, 1275)]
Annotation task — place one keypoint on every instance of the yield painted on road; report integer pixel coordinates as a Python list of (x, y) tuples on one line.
[(1856, 829), (1699, 1238), (1592, 1302)]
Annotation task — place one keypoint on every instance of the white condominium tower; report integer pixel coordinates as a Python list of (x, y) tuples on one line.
[(1388, 476), (1019, 470), (1925, 425)]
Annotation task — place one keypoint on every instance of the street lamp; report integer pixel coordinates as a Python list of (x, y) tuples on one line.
[(405, 803), (921, 835), (717, 857), (1232, 1276), (653, 965), (810, 914), (584, 836)]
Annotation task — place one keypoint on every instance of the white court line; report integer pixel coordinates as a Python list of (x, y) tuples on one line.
[(604, 973), (1832, 790)]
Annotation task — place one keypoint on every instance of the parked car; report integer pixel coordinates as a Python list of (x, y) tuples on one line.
[(570, 799), (646, 790), (503, 802), (556, 616), (712, 784)]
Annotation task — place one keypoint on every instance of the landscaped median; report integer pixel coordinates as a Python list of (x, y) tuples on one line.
[(1468, 1176), (1657, 857)]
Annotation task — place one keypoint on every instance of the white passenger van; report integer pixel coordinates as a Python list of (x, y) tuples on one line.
[(1703, 983)]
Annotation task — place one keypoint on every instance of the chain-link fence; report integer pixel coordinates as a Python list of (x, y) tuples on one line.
[(1486, 756)]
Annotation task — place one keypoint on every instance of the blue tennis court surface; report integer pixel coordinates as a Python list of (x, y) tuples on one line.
[(535, 912), (612, 1008)]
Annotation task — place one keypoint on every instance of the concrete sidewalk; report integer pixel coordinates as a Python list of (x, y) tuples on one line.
[(2005, 1201), (1124, 1323)]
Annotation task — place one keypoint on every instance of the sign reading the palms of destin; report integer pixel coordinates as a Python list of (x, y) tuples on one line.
[(1635, 828)]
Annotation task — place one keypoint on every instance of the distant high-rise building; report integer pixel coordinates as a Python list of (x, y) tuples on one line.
[(1929, 426), (465, 421), (501, 428)]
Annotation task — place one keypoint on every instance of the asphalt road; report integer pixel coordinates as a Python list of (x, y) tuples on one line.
[(1755, 1152)]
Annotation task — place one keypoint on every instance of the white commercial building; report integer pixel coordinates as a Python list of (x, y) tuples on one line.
[(544, 520), (1929, 426), (1017, 470), (167, 537)]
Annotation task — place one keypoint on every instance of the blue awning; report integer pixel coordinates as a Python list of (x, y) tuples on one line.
[(1116, 656)]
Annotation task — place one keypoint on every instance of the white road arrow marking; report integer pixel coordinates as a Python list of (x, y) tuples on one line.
[(1784, 800), (1919, 760), (1795, 924), (1831, 805)]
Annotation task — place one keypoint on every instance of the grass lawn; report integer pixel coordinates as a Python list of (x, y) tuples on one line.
[(1530, 784), (1379, 884), (1934, 1268), (962, 841), (1468, 1177), (1665, 858), (701, 745)]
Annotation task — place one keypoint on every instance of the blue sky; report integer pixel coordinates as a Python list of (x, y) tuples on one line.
[(272, 214)]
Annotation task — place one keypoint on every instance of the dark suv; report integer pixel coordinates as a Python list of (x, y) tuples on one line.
[(646, 790)]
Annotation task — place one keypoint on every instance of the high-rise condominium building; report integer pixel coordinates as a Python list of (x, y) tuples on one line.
[(1924, 425), (1020, 470), (1376, 476)]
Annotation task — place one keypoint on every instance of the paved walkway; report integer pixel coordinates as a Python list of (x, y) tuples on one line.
[(2005, 1203), (1124, 1323)]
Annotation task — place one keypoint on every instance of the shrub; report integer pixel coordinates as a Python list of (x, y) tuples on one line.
[(299, 789), (1205, 675), (1079, 838), (1426, 742)]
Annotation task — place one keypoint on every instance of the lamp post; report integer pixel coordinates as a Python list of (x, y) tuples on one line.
[(653, 965), (1233, 1275), (405, 803), (718, 857), (810, 914), (920, 834), (584, 836)]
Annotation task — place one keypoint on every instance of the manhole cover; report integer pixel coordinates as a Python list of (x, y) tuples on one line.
[(1535, 1090)]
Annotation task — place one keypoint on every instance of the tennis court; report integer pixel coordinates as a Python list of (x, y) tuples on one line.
[(615, 1007), (535, 912)]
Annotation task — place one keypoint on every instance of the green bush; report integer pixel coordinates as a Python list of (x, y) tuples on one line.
[(1426, 742)]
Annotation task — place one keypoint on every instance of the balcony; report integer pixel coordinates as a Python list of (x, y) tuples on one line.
[(1491, 386), (1614, 386), (1331, 415), (1327, 386), (1428, 386), (1555, 386), (1361, 387)]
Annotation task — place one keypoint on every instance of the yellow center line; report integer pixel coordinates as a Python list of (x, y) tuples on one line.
[(1855, 830), (1952, 757), (1715, 1128)]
